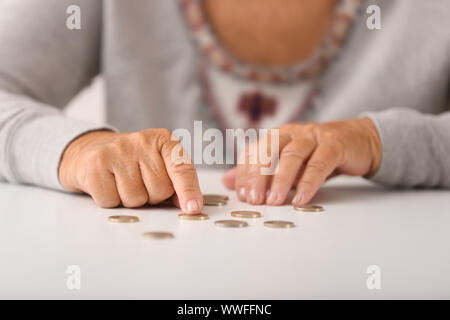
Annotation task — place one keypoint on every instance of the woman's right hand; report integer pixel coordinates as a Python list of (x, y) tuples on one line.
[(131, 169)]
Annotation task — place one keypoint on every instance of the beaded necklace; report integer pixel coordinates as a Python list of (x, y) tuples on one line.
[(238, 94), (219, 57)]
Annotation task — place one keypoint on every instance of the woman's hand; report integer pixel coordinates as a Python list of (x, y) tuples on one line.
[(131, 169), (308, 155)]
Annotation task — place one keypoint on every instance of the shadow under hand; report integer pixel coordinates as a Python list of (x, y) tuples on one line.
[(345, 193), (336, 193)]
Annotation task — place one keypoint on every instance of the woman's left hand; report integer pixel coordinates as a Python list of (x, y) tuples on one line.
[(308, 155)]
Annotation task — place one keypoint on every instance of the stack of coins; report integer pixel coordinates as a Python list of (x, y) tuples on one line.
[(215, 200)]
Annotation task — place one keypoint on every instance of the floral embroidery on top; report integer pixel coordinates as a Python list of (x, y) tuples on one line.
[(256, 105)]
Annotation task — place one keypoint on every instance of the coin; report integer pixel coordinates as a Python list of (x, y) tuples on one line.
[(198, 216), (214, 202), (157, 235), (309, 208), (279, 224), (123, 219), (246, 214), (216, 196), (231, 224)]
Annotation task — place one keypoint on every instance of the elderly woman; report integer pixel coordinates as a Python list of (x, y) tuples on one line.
[(347, 98)]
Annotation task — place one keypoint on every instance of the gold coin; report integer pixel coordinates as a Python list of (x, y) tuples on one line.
[(279, 224), (123, 219), (309, 208), (198, 216), (157, 235), (231, 224), (216, 196), (214, 202), (246, 214)]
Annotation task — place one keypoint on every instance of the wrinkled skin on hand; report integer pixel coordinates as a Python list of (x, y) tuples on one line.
[(131, 169), (308, 155)]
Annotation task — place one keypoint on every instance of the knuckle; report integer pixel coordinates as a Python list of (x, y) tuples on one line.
[(135, 201), (163, 136), (288, 127), (96, 157), (141, 137), (189, 188), (327, 134), (155, 132), (318, 165), (253, 180), (307, 185), (121, 146), (164, 192), (331, 136), (240, 181), (110, 202), (252, 170), (164, 132), (293, 153), (178, 154), (309, 127), (182, 169), (92, 179), (279, 180), (156, 168)]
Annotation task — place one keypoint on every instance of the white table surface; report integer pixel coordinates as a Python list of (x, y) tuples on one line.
[(405, 232)]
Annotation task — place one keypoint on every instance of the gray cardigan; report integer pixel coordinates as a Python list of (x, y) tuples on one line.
[(399, 75)]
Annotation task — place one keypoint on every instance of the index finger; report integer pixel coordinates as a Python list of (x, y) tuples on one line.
[(183, 175), (322, 163)]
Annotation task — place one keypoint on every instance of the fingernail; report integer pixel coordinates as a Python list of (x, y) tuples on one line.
[(298, 198), (242, 192), (272, 197), (192, 206), (254, 196)]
